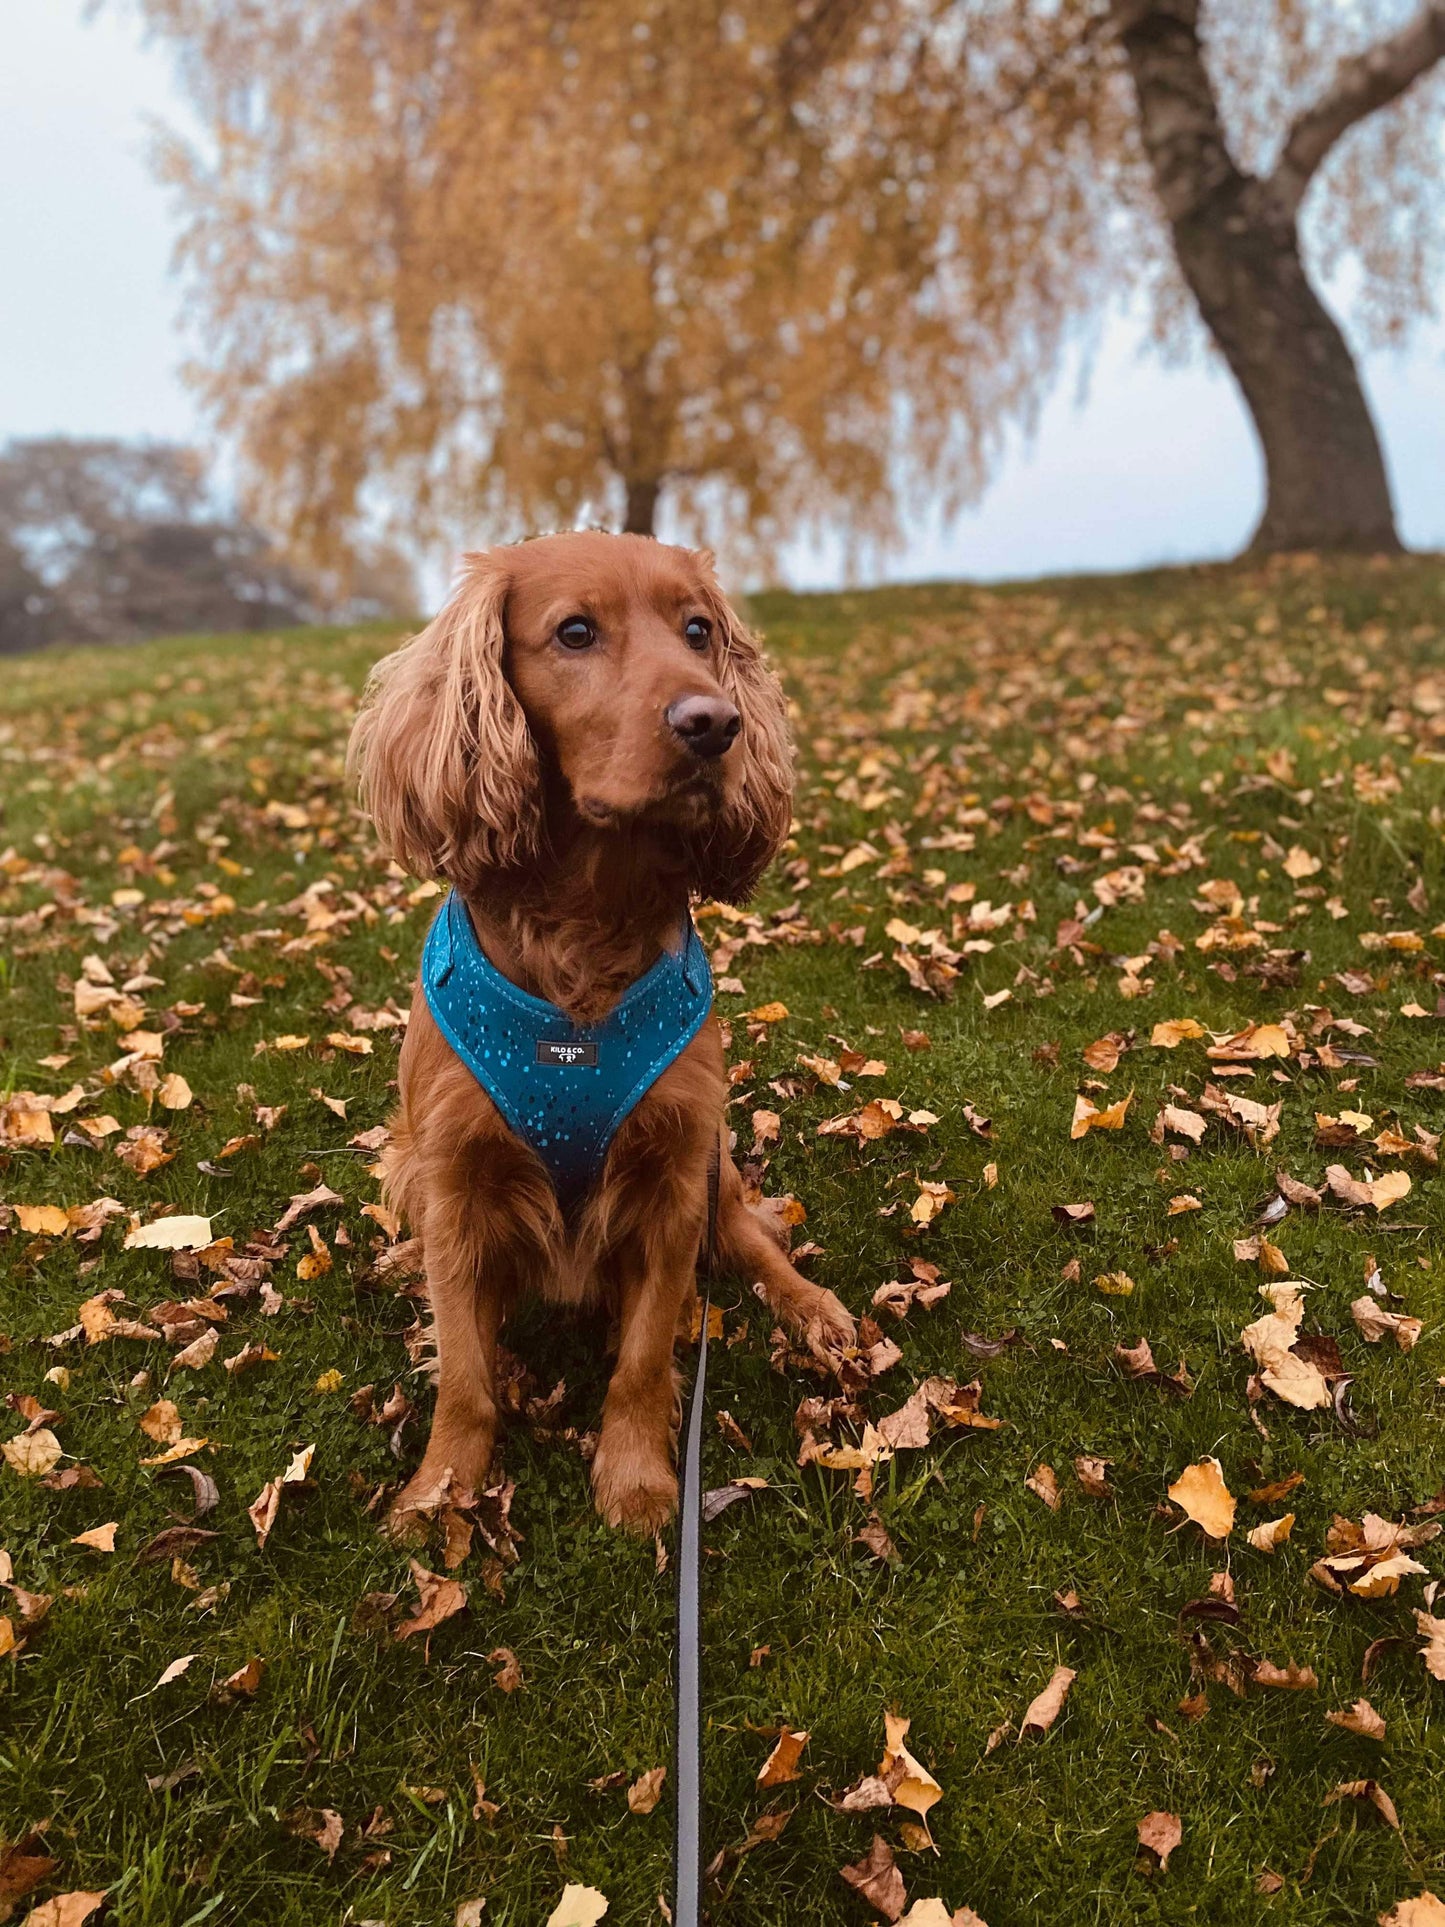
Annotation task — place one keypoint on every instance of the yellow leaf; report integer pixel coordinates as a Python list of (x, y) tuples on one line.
[(170, 1234), (578, 1907), (42, 1220), (764, 1014), (1087, 1116), (329, 1381), (162, 1422), (1271, 1534), (1200, 1490), (32, 1454), (1114, 1284), (98, 1539), (917, 1790), (1174, 1031), (175, 1094)]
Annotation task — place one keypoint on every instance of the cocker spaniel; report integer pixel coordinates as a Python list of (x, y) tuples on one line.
[(584, 741)]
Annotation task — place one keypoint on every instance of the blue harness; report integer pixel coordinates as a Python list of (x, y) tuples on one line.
[(562, 1088)]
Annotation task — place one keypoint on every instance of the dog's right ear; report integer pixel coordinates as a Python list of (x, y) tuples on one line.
[(444, 759)]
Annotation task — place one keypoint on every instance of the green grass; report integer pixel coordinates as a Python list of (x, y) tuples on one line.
[(1248, 711)]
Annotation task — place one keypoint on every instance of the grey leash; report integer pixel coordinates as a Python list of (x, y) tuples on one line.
[(687, 1779)]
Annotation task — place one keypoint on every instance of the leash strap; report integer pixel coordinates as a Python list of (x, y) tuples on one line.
[(687, 1849)]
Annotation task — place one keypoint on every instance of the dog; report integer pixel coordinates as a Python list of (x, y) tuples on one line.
[(584, 741)]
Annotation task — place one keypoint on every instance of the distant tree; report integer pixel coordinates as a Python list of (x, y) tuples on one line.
[(780, 262), (108, 541), (1223, 155), (511, 264)]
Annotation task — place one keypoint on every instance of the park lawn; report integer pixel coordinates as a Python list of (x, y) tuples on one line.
[(1212, 794)]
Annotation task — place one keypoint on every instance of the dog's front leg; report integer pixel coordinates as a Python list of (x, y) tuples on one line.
[(465, 1281), (633, 1480)]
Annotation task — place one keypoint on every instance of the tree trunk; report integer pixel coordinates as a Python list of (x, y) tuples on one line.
[(641, 507), (1237, 242)]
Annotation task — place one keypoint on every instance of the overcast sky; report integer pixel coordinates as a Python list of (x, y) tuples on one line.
[(1152, 464)]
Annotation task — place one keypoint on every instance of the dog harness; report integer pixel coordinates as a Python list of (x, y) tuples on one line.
[(563, 1088)]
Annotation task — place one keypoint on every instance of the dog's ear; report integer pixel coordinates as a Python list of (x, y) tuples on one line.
[(444, 759), (754, 825)]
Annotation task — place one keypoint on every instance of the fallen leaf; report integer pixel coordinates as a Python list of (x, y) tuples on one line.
[(174, 1093), (1087, 1117), (1175, 1031), (1373, 1323), (877, 1879), (1042, 1482), (580, 1906), (1425, 1910), (1201, 1492), (1360, 1719), (782, 1763), (98, 1538), (1380, 1192), (32, 1454), (1273, 1533), (66, 1910), (508, 1676), (1046, 1706), (1370, 1791), (170, 1234), (242, 1684), (1160, 1833), (914, 1786), (646, 1790), (440, 1598)]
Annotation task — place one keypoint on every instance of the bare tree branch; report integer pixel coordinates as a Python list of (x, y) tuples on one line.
[(1362, 86)]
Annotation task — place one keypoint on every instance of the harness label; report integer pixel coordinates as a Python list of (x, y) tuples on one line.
[(567, 1055)]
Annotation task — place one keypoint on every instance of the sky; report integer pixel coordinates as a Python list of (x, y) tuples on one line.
[(1141, 463)]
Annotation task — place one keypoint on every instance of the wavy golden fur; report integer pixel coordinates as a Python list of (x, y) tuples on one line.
[(585, 738)]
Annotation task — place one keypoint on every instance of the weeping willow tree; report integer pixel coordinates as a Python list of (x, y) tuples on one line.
[(505, 266), (1230, 158), (778, 264)]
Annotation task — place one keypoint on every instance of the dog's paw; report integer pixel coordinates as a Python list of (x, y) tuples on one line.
[(832, 1324), (633, 1489)]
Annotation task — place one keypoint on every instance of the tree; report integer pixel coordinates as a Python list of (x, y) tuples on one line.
[(496, 266), (108, 541), (1206, 150), (500, 266), (1236, 238)]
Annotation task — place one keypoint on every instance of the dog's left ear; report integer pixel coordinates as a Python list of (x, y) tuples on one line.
[(754, 826)]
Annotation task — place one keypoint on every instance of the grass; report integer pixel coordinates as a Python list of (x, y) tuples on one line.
[(168, 808)]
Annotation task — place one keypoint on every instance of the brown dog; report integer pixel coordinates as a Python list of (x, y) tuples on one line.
[(582, 740)]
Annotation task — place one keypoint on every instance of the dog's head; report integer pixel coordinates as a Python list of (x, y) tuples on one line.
[(599, 677)]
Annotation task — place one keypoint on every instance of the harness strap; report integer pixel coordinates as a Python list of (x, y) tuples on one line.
[(687, 1779)]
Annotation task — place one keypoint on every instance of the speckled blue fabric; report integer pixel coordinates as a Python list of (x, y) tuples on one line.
[(563, 1088)]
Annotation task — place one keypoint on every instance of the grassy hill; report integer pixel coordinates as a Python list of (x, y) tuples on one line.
[(1034, 823)]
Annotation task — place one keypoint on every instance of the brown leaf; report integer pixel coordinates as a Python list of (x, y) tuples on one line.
[(1368, 1790), (1042, 1482), (1360, 1719), (508, 1676), (440, 1598), (1291, 1678), (242, 1684), (22, 1868), (1046, 1706), (65, 1910), (646, 1790), (304, 1202), (1160, 1833), (781, 1764), (877, 1879)]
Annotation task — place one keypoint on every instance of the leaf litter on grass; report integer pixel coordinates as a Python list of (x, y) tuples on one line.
[(995, 791)]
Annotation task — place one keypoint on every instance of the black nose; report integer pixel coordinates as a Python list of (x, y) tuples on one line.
[(706, 724)]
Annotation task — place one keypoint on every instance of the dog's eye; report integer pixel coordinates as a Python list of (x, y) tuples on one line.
[(576, 633), (698, 632)]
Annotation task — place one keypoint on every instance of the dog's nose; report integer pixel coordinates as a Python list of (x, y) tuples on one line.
[(706, 724)]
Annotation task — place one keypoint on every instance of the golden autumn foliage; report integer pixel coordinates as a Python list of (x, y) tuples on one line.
[(504, 267)]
